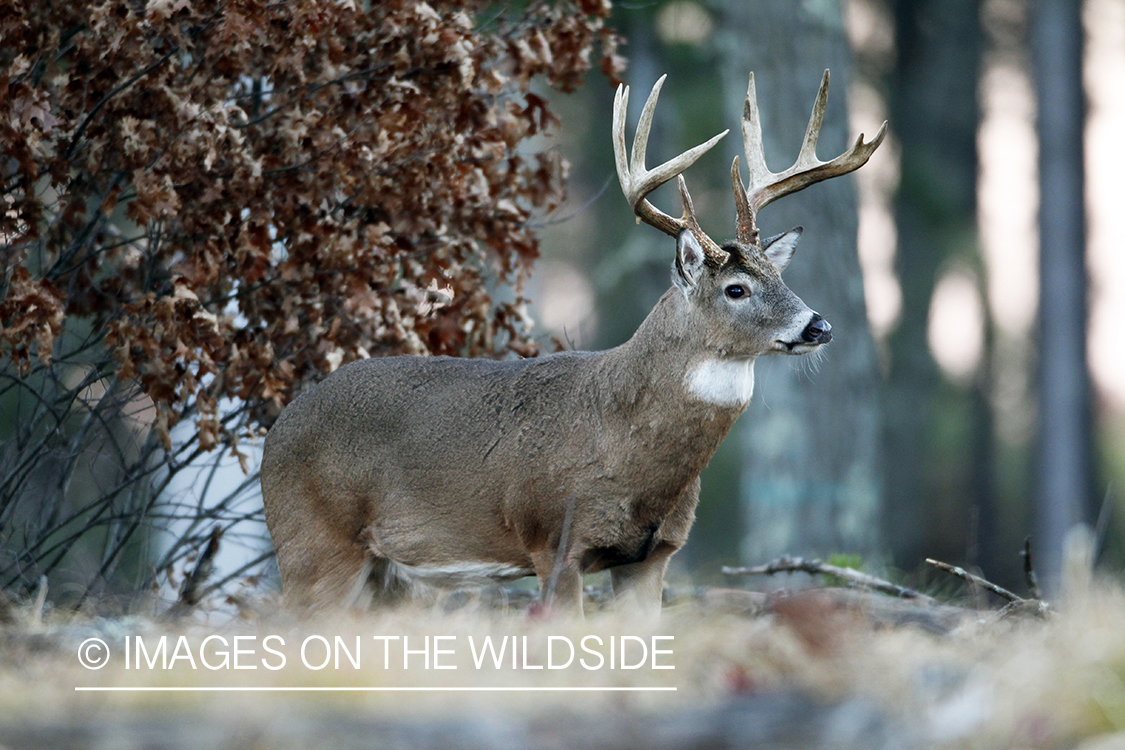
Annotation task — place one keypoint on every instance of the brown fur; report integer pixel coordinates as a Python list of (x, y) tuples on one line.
[(407, 468)]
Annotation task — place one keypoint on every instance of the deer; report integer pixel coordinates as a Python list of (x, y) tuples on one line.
[(396, 475)]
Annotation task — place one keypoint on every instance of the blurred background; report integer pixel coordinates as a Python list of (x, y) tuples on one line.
[(974, 392)]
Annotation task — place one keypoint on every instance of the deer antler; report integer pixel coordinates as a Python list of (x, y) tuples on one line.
[(637, 182), (766, 186)]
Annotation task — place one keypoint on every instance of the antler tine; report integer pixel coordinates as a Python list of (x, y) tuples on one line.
[(766, 186), (752, 143), (637, 182), (689, 220), (745, 226), (807, 157)]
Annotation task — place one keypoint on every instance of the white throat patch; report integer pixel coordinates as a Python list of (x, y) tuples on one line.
[(722, 382)]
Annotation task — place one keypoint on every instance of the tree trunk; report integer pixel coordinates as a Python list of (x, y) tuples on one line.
[(931, 492), (811, 456), (1064, 385)]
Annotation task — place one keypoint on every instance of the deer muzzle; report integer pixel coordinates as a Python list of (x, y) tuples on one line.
[(818, 331)]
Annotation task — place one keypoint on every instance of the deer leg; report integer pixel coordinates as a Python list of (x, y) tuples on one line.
[(335, 578), (322, 565), (640, 585)]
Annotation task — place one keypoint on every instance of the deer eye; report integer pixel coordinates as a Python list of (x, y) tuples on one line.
[(736, 291)]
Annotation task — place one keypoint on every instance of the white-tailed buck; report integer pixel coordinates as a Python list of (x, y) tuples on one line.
[(406, 471)]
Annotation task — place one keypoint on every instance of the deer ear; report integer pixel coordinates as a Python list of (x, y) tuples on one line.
[(779, 248), (689, 261)]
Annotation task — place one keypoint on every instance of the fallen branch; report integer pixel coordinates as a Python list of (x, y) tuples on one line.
[(816, 567), (975, 580), (1017, 604)]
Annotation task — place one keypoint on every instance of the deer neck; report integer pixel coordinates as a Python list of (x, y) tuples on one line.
[(666, 369)]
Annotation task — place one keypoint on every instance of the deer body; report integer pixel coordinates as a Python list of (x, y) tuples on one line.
[(622, 434), (398, 473)]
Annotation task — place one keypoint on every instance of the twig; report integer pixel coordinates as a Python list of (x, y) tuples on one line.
[(192, 591), (575, 212), (976, 580), (112, 93), (816, 567), (130, 81), (1029, 571), (1034, 607), (560, 554), (40, 603), (1102, 524)]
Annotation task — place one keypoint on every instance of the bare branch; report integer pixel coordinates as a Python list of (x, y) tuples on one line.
[(976, 580), (816, 567)]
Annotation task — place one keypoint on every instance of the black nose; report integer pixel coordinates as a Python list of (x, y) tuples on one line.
[(818, 331)]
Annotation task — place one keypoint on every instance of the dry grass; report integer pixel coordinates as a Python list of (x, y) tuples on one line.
[(809, 673)]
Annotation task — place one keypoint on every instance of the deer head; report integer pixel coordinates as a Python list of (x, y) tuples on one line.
[(736, 289)]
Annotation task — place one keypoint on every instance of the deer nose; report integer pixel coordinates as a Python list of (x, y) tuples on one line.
[(818, 331)]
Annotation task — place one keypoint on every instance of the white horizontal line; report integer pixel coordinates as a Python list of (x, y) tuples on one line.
[(367, 689)]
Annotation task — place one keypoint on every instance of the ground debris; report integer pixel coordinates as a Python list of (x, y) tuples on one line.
[(785, 719)]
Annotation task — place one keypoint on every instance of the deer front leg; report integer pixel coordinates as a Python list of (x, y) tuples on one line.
[(639, 586)]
